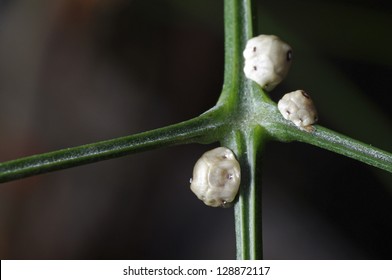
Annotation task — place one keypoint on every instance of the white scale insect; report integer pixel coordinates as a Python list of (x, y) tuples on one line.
[(298, 107), (267, 60), (216, 177), (217, 174)]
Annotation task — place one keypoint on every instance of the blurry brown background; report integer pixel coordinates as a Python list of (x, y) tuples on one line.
[(78, 71)]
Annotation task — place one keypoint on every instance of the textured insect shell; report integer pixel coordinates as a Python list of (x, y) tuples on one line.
[(261, 70), (305, 118), (261, 43), (299, 108), (267, 60), (307, 111), (216, 177), (287, 107)]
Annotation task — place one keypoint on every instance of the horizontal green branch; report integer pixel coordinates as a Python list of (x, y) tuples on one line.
[(202, 129), (338, 143)]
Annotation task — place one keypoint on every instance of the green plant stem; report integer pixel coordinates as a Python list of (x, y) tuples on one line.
[(243, 120), (247, 141), (335, 142), (247, 210), (202, 129)]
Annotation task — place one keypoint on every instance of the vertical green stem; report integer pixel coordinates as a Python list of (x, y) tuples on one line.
[(247, 141), (239, 27), (247, 210)]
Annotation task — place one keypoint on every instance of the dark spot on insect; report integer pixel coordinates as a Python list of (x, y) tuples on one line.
[(301, 120), (254, 49), (289, 55), (288, 112), (255, 68), (304, 94)]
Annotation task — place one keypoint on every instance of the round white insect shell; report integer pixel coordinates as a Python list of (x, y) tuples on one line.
[(267, 60), (298, 107), (216, 177)]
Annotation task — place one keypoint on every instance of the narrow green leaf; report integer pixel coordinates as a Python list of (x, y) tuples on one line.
[(336, 142), (203, 129)]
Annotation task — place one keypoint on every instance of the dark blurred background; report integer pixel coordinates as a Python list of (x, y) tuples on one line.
[(78, 71)]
